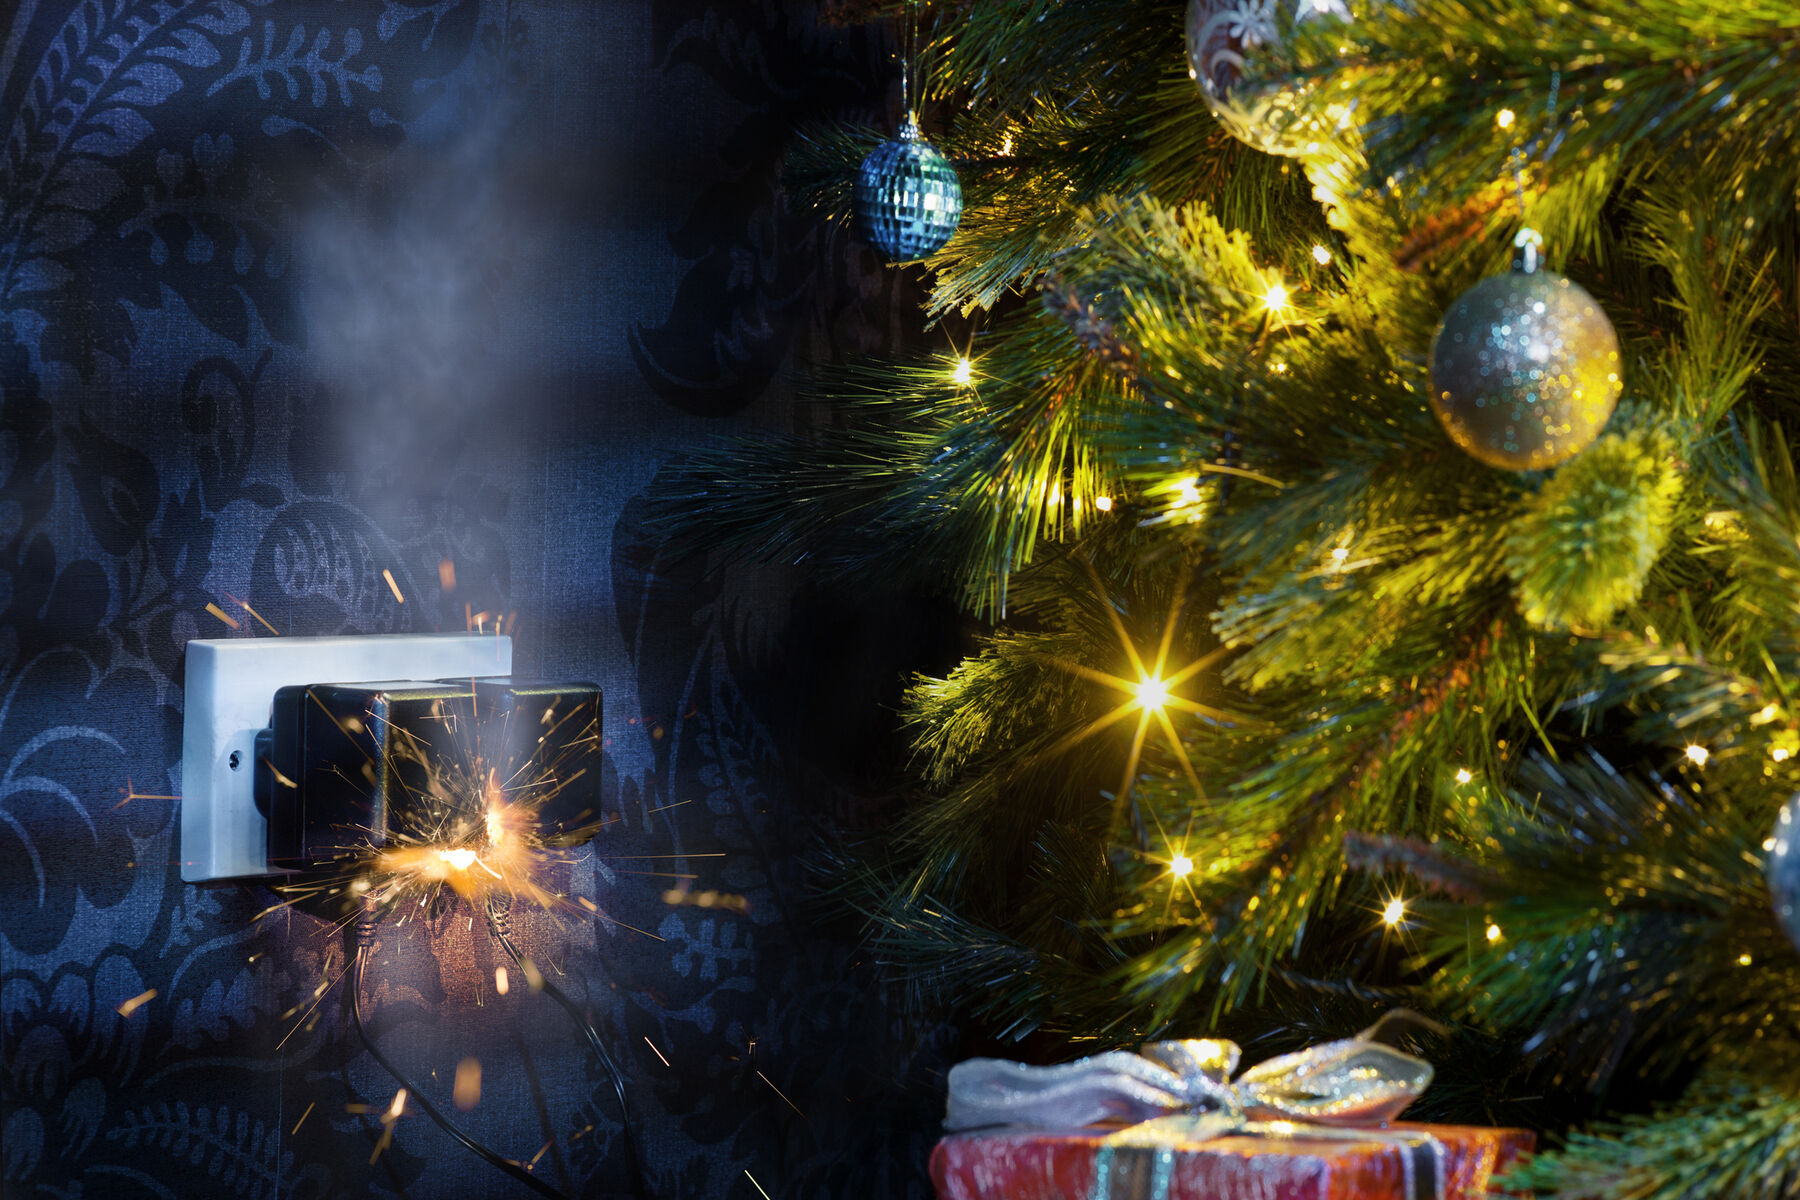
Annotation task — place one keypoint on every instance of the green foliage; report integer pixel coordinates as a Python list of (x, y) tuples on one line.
[(1731, 1136), (1584, 545), (1555, 712)]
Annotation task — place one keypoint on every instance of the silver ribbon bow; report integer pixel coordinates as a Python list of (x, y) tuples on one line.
[(1322, 1093)]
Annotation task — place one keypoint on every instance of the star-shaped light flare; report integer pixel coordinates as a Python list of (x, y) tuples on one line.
[(1149, 692)]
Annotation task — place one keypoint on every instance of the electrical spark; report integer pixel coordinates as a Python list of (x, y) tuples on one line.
[(392, 586), (1181, 865), (757, 1186), (1698, 755), (655, 1051), (302, 1120), (136, 1002), (220, 613), (245, 605), (1394, 913), (466, 1092), (462, 859)]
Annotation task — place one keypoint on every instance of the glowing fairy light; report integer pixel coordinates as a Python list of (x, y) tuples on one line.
[(1149, 693), (1321, 255), (1340, 554), (1103, 503), (1698, 755), (461, 858), (1190, 490), (1181, 865), (1745, 960), (1464, 775), (1504, 118), (1152, 693), (1779, 753), (1493, 932), (1275, 298), (1394, 913), (964, 372)]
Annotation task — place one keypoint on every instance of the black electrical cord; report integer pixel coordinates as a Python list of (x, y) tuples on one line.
[(500, 924), (365, 937)]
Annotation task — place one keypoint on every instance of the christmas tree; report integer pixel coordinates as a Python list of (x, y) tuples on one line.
[(1371, 468)]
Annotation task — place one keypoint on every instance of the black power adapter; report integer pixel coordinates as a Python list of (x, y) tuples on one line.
[(347, 770)]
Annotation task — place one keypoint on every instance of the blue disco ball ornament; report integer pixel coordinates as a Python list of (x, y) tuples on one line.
[(908, 200), (1783, 869)]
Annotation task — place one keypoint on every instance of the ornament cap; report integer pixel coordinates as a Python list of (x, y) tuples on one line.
[(1528, 251), (909, 128)]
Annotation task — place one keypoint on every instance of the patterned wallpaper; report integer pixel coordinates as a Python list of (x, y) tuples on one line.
[(296, 292)]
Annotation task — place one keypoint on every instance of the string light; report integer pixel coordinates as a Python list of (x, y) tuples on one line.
[(1493, 932), (1276, 297), (1395, 912), (1340, 554), (1463, 775), (1321, 255), (964, 372), (1152, 693), (1504, 118), (1698, 755), (1181, 865), (1103, 503), (1779, 754), (1744, 960)]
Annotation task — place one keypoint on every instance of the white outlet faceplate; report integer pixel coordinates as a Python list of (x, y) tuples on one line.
[(231, 684)]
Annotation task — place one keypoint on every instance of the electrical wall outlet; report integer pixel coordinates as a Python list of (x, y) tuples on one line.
[(231, 684)]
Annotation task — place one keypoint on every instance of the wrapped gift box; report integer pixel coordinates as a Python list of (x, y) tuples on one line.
[(1346, 1165)]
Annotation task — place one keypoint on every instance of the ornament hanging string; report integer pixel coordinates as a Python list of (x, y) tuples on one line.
[(1520, 153)]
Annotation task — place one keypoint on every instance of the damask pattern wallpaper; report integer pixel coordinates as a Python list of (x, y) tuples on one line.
[(297, 292)]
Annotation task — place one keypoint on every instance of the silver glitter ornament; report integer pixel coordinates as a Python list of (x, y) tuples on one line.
[(908, 199), (1227, 41), (1783, 869), (1525, 368)]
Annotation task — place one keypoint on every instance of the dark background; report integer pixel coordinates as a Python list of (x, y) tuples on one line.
[(293, 292)]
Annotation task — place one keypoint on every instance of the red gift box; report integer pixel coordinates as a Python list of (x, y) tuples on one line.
[(1346, 1165)]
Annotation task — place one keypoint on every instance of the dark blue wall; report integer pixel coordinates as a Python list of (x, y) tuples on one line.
[(296, 291)]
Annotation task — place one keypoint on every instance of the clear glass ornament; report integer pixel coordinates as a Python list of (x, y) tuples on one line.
[(1229, 45)]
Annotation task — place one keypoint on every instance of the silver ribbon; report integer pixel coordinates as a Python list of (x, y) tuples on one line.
[(1182, 1092)]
